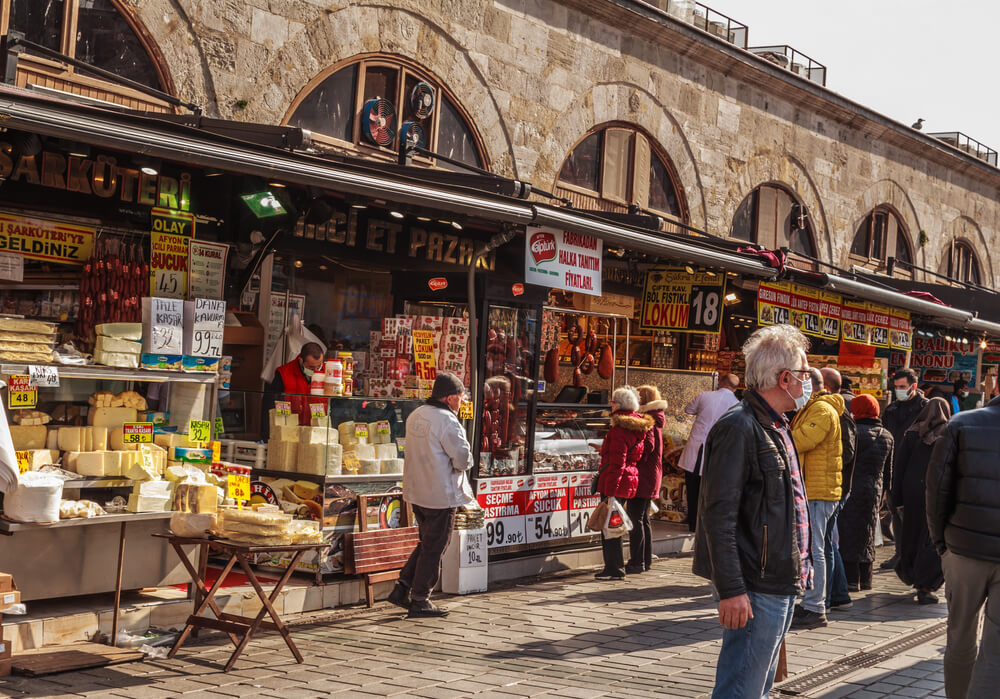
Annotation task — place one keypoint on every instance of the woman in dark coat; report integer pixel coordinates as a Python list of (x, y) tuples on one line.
[(919, 563), (859, 517), (640, 539), (619, 472)]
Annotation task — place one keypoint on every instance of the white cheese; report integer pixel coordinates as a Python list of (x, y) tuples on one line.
[(147, 503), (113, 344), (121, 360), (121, 331), (28, 436)]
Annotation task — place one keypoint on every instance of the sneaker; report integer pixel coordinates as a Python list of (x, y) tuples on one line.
[(426, 608), (605, 575), (840, 606), (399, 596), (809, 620), (634, 570), (926, 597)]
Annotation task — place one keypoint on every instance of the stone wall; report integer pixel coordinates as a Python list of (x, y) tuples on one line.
[(536, 76)]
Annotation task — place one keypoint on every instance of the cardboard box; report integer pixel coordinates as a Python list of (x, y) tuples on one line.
[(9, 598), (5, 657), (7, 582)]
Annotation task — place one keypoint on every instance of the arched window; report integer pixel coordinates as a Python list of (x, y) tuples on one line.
[(881, 236), (368, 102), (616, 166), (960, 262), (772, 218), (103, 33)]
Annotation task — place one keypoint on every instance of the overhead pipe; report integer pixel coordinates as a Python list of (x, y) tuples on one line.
[(954, 317)]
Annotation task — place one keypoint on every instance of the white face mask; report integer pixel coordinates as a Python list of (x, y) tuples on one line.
[(308, 373), (964, 394), (903, 394), (807, 389)]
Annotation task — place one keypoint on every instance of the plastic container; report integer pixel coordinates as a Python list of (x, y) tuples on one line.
[(347, 359), (348, 386), (335, 368), (318, 378)]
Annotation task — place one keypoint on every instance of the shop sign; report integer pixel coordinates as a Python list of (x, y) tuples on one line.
[(168, 257), (206, 269), (816, 313), (517, 289), (20, 392), (673, 299), (941, 361), (547, 509), (877, 320), (854, 322), (561, 259), (504, 501), (423, 354), (41, 239), (900, 330), (437, 284)]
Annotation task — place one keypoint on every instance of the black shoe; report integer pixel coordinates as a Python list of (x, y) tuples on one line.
[(853, 587), (926, 597), (799, 612), (426, 608), (399, 596), (809, 620), (889, 564), (634, 570), (605, 575), (840, 606), (866, 586)]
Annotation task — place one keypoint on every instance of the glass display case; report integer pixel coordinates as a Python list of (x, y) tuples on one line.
[(568, 438)]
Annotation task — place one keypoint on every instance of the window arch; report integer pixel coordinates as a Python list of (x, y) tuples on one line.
[(334, 105), (960, 262), (103, 33), (771, 217), (616, 166), (881, 235)]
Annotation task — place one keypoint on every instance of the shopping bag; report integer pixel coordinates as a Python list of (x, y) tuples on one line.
[(599, 517), (620, 509), (615, 526)]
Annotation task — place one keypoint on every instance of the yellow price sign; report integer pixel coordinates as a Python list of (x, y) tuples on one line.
[(199, 430), (238, 487), (361, 430), (23, 461), (216, 451), (317, 410), (20, 392), (351, 462), (137, 433), (465, 411), (282, 407)]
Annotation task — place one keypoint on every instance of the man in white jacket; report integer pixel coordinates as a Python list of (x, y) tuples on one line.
[(437, 458)]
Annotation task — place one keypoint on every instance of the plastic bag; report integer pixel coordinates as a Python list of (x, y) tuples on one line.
[(36, 498), (618, 521), (8, 459), (295, 335)]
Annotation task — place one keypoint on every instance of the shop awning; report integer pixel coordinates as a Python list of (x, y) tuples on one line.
[(167, 139)]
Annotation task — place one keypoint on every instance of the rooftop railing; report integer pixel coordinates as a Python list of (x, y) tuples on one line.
[(795, 61), (959, 140)]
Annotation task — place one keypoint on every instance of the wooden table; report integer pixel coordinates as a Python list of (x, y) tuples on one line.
[(239, 628)]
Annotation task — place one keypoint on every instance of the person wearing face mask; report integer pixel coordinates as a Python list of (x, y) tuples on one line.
[(752, 536), (292, 380), (907, 403), (437, 458), (958, 395), (817, 433)]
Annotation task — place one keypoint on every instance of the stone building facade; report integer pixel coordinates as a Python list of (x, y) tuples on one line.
[(535, 77)]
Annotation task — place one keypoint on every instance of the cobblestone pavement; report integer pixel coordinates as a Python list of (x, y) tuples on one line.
[(566, 636)]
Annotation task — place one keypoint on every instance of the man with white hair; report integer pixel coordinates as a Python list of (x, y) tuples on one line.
[(752, 537)]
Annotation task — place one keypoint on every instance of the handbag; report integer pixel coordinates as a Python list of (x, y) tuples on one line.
[(599, 517)]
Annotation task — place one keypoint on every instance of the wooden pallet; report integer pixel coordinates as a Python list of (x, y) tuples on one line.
[(79, 656)]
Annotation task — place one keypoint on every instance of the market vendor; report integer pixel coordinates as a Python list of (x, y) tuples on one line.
[(294, 377)]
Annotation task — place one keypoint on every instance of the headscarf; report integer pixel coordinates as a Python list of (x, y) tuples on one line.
[(932, 420), (864, 406)]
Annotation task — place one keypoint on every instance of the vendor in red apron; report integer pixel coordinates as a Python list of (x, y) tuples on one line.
[(293, 378)]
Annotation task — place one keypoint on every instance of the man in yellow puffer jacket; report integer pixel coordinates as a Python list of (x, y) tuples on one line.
[(816, 433)]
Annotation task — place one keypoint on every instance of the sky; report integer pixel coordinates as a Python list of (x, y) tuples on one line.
[(902, 58)]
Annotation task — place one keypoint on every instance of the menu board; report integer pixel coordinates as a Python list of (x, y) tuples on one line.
[(674, 299), (877, 320), (900, 330), (816, 313), (854, 322)]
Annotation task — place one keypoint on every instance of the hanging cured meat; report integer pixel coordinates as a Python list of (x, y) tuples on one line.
[(112, 284)]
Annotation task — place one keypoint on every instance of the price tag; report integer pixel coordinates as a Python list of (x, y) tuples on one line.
[(169, 282), (20, 392), (465, 411), (282, 407), (361, 430), (216, 451), (44, 376), (206, 343), (220, 428), (382, 428), (137, 433), (238, 487), (351, 462), (147, 458), (22, 461), (401, 446), (199, 430), (317, 409)]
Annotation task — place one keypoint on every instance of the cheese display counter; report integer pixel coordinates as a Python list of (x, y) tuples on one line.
[(80, 431)]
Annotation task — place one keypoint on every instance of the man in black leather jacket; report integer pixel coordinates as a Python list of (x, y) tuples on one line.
[(963, 516), (752, 536)]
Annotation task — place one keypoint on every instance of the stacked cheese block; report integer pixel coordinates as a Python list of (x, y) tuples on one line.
[(27, 341), (267, 526), (372, 447), (310, 449), (118, 345), (30, 434)]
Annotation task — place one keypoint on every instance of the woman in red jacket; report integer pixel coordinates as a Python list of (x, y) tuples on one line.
[(640, 539), (619, 475)]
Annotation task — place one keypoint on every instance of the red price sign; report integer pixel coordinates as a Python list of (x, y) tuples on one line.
[(423, 354), (20, 392), (137, 433)]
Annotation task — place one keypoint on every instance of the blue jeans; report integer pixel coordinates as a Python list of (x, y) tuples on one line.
[(820, 512), (749, 656), (836, 578)]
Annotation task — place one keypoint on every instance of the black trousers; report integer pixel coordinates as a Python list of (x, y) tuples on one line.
[(421, 572), (859, 573), (640, 539), (614, 559), (692, 486)]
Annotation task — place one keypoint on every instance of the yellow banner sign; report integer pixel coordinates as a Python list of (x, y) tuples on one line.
[(45, 240), (674, 299), (423, 354)]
